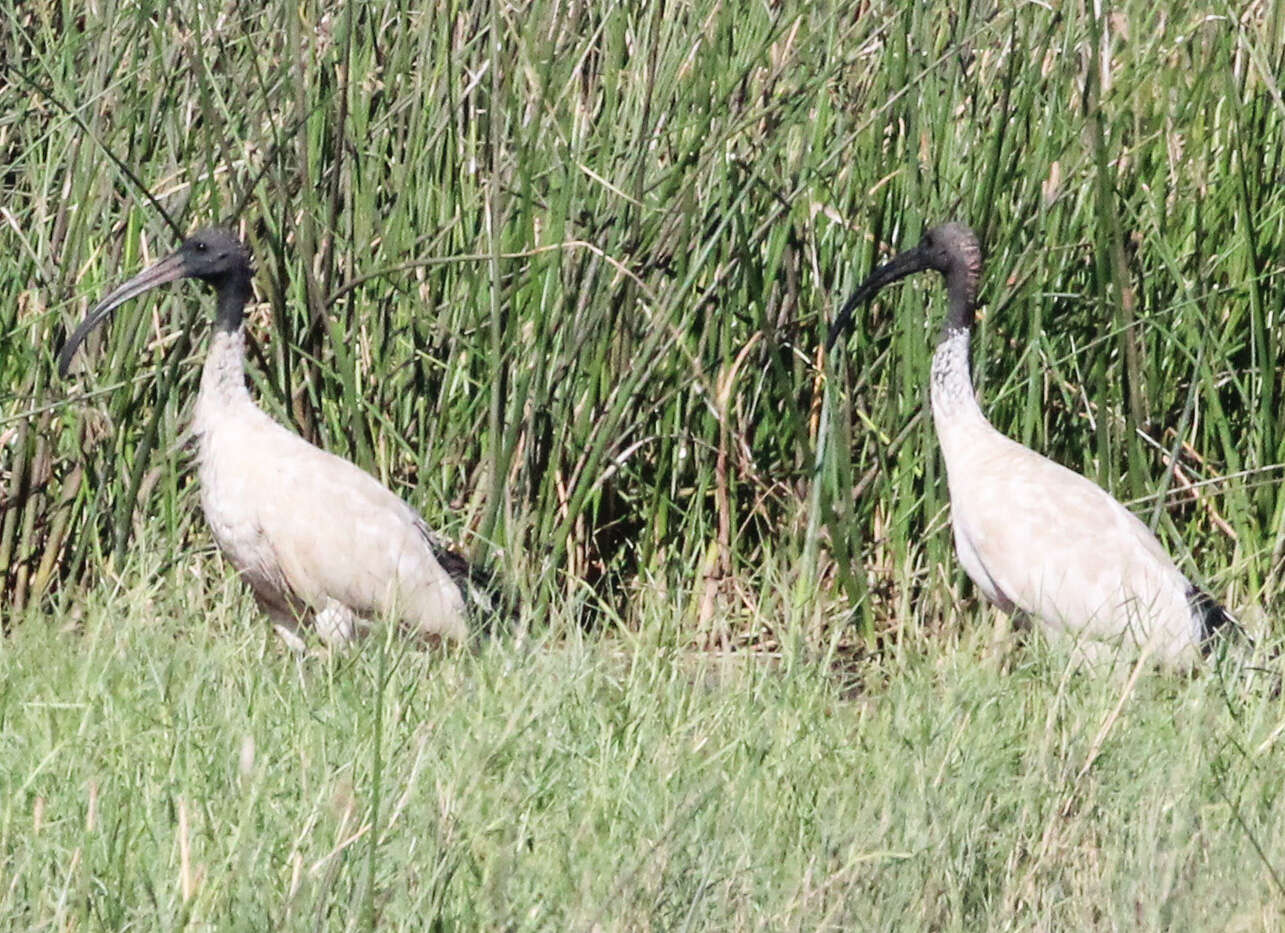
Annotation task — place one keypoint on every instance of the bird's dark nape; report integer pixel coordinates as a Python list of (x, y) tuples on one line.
[(1212, 617)]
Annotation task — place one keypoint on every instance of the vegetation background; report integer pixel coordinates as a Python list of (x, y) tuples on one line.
[(557, 272)]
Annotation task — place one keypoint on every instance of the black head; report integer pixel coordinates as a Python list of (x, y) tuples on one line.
[(951, 249), (215, 256)]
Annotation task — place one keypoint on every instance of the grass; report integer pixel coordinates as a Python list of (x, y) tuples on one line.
[(558, 275), (169, 775)]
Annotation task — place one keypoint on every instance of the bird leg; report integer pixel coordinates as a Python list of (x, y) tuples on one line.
[(997, 652), (290, 635), (334, 624)]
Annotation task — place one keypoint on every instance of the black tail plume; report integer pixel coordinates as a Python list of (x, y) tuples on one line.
[(1210, 616), (488, 602)]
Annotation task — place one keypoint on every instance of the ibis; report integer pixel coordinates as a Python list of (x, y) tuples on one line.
[(322, 544), (1036, 538)]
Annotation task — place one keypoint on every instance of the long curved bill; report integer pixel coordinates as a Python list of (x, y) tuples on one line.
[(912, 260), (167, 270)]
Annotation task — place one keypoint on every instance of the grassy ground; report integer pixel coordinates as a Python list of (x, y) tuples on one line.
[(557, 273), (168, 765)]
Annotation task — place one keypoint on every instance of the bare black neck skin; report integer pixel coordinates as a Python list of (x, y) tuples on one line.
[(961, 292), (233, 294), (223, 376), (953, 396)]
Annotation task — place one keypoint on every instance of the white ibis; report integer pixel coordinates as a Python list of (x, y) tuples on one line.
[(321, 542), (1033, 536)]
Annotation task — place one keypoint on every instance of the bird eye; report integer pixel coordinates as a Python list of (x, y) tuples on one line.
[(200, 246)]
